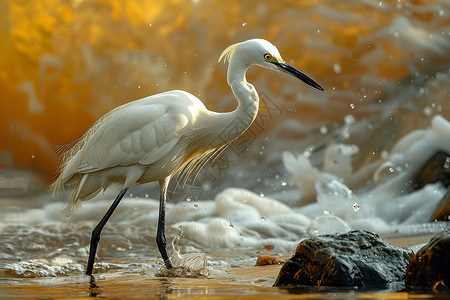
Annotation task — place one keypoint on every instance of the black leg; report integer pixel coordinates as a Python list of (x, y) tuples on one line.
[(160, 234), (95, 238)]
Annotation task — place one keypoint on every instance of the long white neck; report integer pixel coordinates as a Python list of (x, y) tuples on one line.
[(246, 95), (220, 128)]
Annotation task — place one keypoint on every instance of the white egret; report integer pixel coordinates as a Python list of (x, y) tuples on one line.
[(154, 138)]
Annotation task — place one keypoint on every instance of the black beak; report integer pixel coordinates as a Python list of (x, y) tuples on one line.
[(287, 68)]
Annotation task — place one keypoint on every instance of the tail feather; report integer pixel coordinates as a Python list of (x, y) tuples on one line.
[(80, 192), (80, 186), (73, 205), (56, 187), (68, 176), (85, 188)]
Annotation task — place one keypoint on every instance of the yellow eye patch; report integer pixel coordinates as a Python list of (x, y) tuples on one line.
[(270, 58)]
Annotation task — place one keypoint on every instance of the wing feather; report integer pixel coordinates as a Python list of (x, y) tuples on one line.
[(139, 132)]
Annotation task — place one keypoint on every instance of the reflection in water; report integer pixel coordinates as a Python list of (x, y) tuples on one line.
[(94, 290)]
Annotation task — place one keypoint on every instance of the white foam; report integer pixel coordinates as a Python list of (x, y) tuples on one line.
[(45, 268), (337, 165), (418, 147)]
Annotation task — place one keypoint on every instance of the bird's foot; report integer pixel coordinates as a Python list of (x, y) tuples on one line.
[(168, 264)]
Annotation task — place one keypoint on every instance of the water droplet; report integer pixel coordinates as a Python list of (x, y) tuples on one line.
[(323, 129), (263, 219), (146, 195), (308, 151), (284, 183), (32, 156), (345, 133), (447, 163), (195, 205), (427, 111), (318, 30), (355, 206), (349, 119), (244, 23), (150, 24), (386, 172), (188, 198), (261, 195), (352, 106), (337, 68), (326, 212)]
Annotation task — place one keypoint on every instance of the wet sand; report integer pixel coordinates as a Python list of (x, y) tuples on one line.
[(247, 282), (410, 241)]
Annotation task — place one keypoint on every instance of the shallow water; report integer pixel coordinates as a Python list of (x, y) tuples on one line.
[(385, 67), (142, 286)]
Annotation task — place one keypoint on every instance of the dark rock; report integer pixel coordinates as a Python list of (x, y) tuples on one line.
[(357, 258), (442, 212), (435, 169), (430, 267)]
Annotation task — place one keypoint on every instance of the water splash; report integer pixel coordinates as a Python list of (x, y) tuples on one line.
[(334, 196), (327, 225), (183, 265)]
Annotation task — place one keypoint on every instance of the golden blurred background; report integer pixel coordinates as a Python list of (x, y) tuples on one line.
[(63, 64)]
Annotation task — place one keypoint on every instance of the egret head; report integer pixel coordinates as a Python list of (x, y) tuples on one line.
[(264, 54)]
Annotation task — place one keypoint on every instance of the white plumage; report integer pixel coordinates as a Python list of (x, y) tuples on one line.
[(133, 144), (153, 138)]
